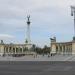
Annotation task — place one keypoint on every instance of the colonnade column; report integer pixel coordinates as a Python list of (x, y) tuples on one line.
[(58, 49), (11, 50), (65, 49), (22, 50), (8, 50), (15, 50), (62, 50), (4, 50)]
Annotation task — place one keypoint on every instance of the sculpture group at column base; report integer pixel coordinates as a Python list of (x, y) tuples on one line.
[(74, 38)]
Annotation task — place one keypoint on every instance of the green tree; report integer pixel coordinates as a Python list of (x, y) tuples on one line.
[(46, 49)]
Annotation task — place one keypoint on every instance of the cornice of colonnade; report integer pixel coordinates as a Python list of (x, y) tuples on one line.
[(16, 44), (63, 42)]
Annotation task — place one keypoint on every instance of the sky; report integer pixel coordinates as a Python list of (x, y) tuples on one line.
[(49, 18)]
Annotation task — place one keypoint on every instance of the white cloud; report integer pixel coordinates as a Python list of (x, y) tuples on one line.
[(6, 36), (46, 15)]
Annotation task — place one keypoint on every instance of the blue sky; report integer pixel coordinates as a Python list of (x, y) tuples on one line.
[(49, 18)]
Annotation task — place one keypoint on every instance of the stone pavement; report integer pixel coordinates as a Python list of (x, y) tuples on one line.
[(40, 58), (42, 65), (37, 68)]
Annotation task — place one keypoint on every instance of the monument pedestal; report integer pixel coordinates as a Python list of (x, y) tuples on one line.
[(74, 38)]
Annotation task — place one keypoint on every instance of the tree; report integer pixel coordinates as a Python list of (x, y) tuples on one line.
[(38, 50), (33, 47), (46, 49)]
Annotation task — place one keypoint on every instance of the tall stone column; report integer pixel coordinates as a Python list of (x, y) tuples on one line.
[(28, 30)]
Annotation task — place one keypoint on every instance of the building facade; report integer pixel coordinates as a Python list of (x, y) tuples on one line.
[(62, 47), (15, 49)]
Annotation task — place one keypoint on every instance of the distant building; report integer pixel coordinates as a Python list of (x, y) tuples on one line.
[(62, 47), (14, 49)]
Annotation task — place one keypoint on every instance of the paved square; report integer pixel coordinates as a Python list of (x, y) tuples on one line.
[(37, 68)]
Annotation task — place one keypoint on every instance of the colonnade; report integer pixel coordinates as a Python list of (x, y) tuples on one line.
[(15, 50), (64, 48)]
